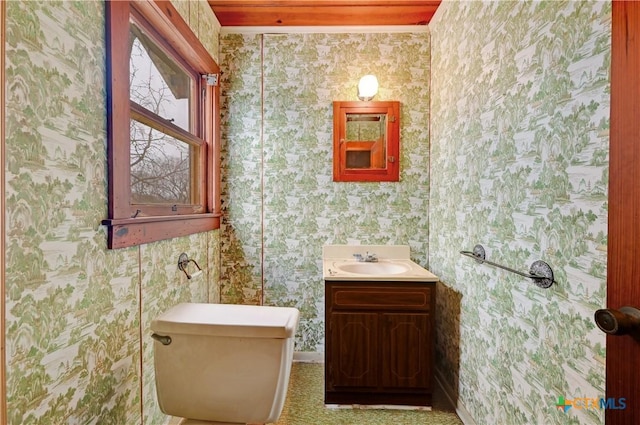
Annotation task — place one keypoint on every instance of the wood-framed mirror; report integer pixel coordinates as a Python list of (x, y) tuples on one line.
[(366, 141)]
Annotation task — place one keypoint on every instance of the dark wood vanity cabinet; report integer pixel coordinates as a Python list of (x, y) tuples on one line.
[(379, 342)]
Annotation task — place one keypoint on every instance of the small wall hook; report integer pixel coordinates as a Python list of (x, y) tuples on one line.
[(183, 262)]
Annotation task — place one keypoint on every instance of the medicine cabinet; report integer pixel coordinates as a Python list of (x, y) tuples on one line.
[(366, 141)]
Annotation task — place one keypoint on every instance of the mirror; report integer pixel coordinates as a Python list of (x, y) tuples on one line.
[(366, 141)]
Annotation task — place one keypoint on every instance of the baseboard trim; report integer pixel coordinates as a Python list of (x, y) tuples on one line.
[(308, 357), (451, 394)]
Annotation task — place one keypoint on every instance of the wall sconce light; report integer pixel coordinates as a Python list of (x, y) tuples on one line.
[(367, 87), (183, 262)]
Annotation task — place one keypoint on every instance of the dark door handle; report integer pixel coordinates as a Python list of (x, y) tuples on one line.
[(618, 322)]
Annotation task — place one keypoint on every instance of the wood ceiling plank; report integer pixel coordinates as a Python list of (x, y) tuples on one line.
[(333, 3), (323, 12)]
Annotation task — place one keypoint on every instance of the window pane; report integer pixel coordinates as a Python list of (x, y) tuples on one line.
[(157, 82), (160, 167)]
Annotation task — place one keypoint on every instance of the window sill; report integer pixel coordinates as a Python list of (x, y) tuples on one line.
[(127, 232)]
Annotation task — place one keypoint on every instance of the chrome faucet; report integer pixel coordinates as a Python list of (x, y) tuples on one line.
[(367, 258)]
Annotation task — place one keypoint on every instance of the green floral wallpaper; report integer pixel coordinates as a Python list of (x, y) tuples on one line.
[(516, 95), (519, 160), (281, 205), (77, 314)]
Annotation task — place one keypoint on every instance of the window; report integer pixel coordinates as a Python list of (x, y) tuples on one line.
[(162, 121)]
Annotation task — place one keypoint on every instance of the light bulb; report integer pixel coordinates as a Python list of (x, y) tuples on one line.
[(367, 87)]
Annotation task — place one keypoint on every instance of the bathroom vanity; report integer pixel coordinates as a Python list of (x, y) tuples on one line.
[(379, 326)]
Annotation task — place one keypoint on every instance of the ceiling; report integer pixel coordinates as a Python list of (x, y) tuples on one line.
[(269, 13)]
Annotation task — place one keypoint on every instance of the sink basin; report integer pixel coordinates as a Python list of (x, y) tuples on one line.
[(394, 264), (373, 268)]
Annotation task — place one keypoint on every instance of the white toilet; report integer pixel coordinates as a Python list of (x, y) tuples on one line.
[(222, 363)]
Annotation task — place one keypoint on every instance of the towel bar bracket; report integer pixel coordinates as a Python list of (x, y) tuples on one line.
[(540, 272), (479, 252)]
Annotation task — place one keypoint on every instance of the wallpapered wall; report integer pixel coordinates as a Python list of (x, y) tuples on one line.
[(281, 205), (78, 346), (520, 119)]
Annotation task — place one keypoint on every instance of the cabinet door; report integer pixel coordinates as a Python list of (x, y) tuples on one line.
[(353, 347), (366, 141), (406, 350)]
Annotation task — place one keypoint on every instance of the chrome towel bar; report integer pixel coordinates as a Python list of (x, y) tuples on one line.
[(540, 272)]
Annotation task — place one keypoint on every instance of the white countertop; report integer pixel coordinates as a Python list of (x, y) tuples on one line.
[(395, 258)]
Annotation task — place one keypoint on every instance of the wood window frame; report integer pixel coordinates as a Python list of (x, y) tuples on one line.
[(125, 227)]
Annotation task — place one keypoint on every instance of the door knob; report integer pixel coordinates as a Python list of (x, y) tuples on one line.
[(618, 322)]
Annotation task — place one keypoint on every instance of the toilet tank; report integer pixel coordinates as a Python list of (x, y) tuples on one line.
[(225, 363)]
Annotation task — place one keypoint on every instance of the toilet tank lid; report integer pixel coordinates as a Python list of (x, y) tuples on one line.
[(228, 320)]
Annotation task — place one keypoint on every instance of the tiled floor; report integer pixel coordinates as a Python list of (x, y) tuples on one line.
[(305, 405)]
